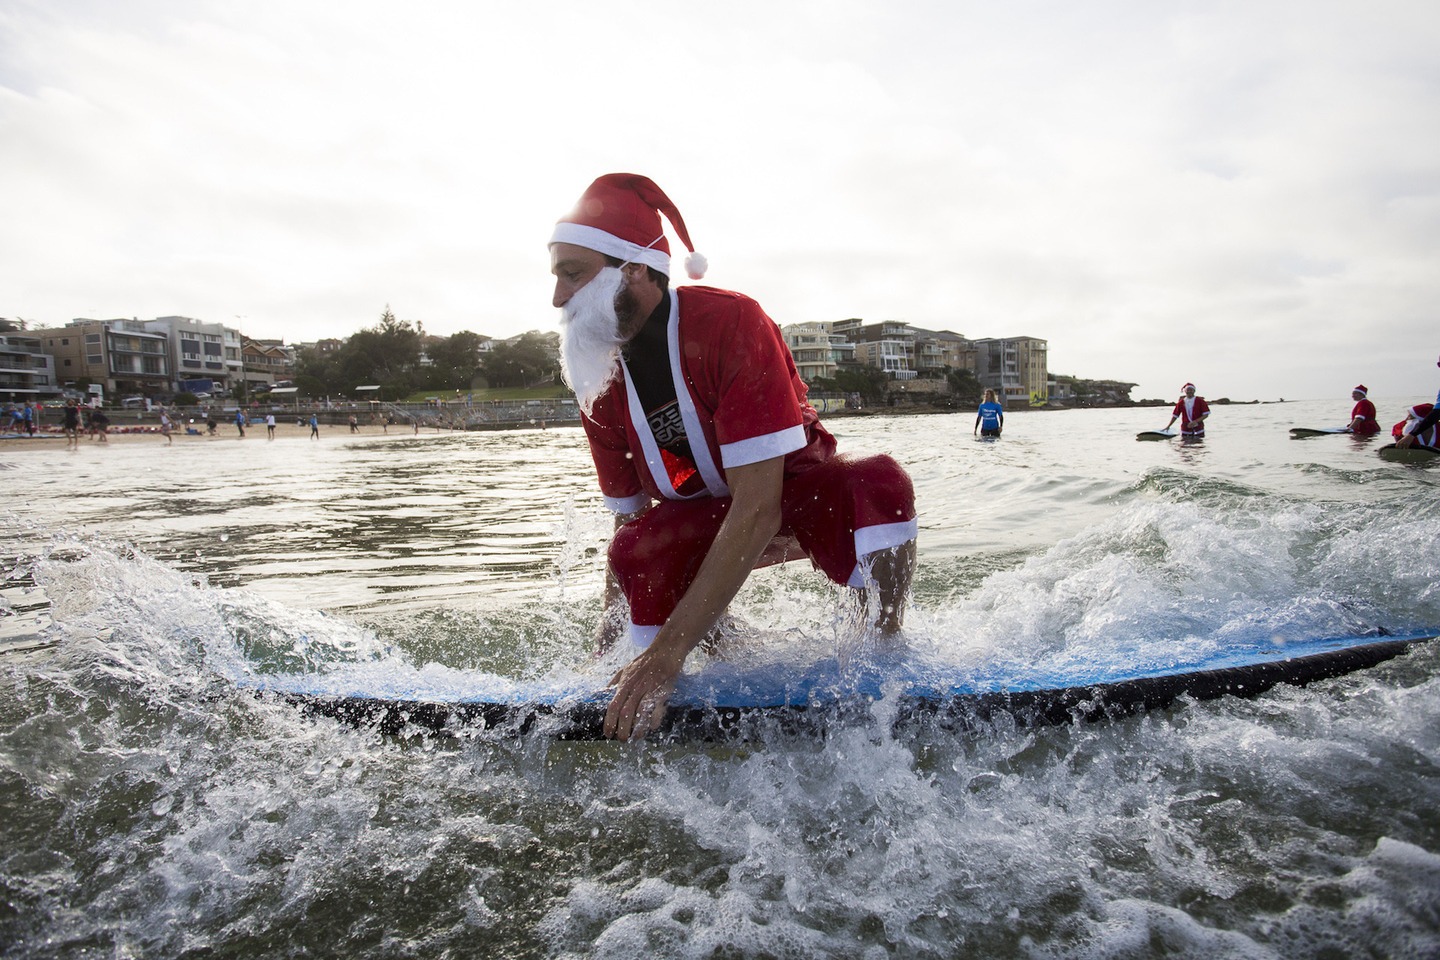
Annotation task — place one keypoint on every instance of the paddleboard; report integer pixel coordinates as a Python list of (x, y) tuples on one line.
[(723, 701), (1300, 433), (1156, 435), (1417, 453)]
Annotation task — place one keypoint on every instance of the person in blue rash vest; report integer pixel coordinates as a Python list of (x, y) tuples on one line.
[(989, 417)]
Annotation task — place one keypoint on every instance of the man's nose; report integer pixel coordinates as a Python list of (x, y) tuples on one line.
[(563, 293)]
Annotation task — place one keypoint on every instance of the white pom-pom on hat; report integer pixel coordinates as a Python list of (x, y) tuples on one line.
[(696, 265)]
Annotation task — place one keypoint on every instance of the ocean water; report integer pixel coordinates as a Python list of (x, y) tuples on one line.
[(150, 808)]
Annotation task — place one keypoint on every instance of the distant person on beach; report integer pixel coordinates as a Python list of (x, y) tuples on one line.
[(70, 424), (1191, 411), (354, 424), (1362, 418), (27, 418), (269, 426), (240, 421), (989, 417), (165, 427), (1425, 426), (101, 424), (314, 427), (722, 436)]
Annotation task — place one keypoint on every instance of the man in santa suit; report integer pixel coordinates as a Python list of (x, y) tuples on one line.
[(1191, 411), (1362, 417), (1409, 431), (1423, 427), (705, 446)]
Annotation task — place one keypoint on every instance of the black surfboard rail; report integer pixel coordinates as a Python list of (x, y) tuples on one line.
[(1415, 453), (1062, 705)]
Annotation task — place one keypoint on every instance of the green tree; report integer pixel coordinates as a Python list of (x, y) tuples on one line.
[(870, 382), (529, 360), (454, 360), (965, 384), (387, 354)]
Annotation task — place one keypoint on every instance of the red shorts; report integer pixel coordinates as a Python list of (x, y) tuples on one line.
[(838, 512)]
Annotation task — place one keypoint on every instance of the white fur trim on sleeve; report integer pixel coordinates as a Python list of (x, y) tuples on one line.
[(625, 505), (756, 449)]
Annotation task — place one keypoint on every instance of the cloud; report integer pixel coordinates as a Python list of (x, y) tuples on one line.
[(1244, 195)]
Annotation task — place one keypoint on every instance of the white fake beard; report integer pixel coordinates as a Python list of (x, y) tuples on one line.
[(590, 339)]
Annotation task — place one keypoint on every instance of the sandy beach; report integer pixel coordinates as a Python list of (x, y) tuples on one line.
[(225, 434)]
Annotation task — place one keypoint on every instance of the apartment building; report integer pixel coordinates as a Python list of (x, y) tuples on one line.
[(123, 355), (889, 345), (809, 344), (1016, 368), (27, 373), (197, 352), (267, 362)]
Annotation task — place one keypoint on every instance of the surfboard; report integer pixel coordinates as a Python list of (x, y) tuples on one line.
[(1418, 453), (1156, 435), (724, 701), (1300, 433)]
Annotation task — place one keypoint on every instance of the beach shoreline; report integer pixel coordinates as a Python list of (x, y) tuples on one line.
[(47, 438)]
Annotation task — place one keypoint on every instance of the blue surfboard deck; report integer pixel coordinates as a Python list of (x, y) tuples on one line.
[(719, 701)]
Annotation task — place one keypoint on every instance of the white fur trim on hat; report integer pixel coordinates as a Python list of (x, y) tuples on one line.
[(593, 238)]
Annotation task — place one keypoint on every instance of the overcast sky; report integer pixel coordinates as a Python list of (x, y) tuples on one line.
[(1246, 195)]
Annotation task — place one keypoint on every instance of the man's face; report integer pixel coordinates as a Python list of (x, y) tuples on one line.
[(573, 267), (1189, 391)]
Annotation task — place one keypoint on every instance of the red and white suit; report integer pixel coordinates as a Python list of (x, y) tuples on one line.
[(1415, 416), (1191, 411), (742, 402), (1365, 412)]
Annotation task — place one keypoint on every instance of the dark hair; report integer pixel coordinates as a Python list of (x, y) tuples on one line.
[(656, 277)]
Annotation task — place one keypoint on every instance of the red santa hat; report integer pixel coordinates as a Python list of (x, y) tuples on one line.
[(1188, 386), (619, 216), (1363, 390)]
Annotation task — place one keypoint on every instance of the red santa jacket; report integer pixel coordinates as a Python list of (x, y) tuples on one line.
[(740, 398), (1365, 410), (1199, 407)]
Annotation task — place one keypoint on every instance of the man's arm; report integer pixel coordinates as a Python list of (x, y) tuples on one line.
[(643, 687)]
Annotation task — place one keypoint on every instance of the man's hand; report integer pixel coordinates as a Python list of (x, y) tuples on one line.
[(1406, 441), (642, 689)]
